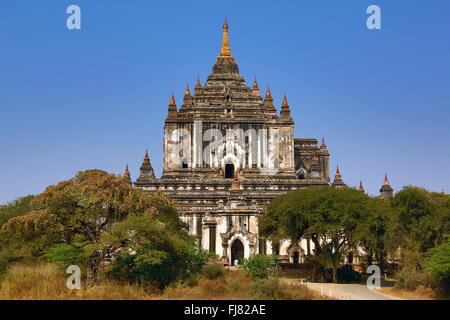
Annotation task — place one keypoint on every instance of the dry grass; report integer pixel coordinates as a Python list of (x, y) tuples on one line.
[(420, 293), (44, 281)]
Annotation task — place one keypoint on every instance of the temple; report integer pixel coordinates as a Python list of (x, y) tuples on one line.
[(227, 154)]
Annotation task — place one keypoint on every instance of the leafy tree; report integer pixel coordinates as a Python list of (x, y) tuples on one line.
[(3, 263), (78, 211), (438, 264), (15, 208), (29, 234), (371, 230), (258, 265), (65, 254), (328, 216), (150, 252), (419, 221)]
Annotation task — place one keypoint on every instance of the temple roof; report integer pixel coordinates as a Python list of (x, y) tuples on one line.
[(225, 96)]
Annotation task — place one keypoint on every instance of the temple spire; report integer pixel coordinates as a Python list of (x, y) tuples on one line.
[(285, 103), (172, 112), (338, 179), (361, 186), (225, 51), (127, 177), (198, 84), (255, 84), (146, 168), (386, 190), (255, 89), (187, 93), (268, 95)]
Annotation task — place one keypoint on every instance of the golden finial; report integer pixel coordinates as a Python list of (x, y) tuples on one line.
[(172, 100), (225, 51), (285, 103), (268, 95), (255, 85), (198, 84), (386, 181), (187, 93)]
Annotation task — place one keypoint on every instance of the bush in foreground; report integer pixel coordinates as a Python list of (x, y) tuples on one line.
[(258, 265), (213, 271), (438, 265)]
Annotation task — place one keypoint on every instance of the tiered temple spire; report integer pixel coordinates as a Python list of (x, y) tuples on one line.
[(285, 111), (361, 187), (147, 171), (172, 112), (285, 103), (126, 176), (268, 101), (386, 190), (255, 89), (225, 63), (338, 182), (225, 51), (323, 145), (198, 84)]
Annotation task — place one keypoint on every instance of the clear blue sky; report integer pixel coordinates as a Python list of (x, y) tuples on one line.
[(97, 97)]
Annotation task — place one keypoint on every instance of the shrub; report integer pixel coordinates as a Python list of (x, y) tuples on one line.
[(3, 263), (214, 287), (213, 271), (269, 289), (234, 285), (192, 280), (347, 274), (258, 265), (438, 265), (65, 254), (411, 279)]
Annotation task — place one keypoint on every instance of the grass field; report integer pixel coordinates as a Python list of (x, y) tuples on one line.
[(44, 281)]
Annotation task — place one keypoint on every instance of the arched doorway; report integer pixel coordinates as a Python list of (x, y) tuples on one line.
[(295, 257), (237, 251), (229, 171)]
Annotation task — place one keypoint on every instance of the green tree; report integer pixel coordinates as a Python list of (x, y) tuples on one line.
[(15, 208), (328, 216), (438, 265), (78, 211), (371, 231), (258, 265), (419, 221), (148, 251)]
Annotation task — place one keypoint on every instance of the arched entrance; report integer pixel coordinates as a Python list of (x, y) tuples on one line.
[(229, 171), (295, 257), (237, 251)]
